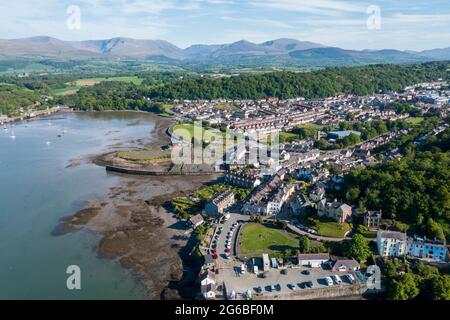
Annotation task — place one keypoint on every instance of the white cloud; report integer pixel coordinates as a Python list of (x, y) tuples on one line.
[(319, 7), (261, 22)]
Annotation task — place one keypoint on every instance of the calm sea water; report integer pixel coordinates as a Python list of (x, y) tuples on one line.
[(37, 189)]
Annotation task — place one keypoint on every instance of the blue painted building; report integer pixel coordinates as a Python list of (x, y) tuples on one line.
[(426, 249)]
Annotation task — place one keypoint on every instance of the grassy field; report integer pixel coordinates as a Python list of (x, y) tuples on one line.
[(287, 137), (66, 91), (332, 229), (189, 127), (257, 239), (93, 81), (74, 86), (416, 120), (143, 156)]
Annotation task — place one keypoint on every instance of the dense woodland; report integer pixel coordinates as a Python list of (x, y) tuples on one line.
[(318, 84), (13, 97)]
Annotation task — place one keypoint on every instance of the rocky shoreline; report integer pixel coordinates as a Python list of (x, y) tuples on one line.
[(139, 232)]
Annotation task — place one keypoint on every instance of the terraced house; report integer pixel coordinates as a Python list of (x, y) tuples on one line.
[(424, 248), (391, 243), (221, 201)]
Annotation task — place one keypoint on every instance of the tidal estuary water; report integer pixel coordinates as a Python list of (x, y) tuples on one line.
[(39, 185)]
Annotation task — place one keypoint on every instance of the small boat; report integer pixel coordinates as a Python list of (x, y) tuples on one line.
[(48, 143), (59, 136), (13, 136)]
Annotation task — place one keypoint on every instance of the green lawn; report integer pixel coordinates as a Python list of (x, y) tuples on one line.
[(287, 137), (257, 239), (66, 91), (332, 229), (93, 81), (415, 120)]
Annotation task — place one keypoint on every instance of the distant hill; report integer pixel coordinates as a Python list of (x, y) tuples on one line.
[(438, 54), (47, 47), (335, 56), (275, 52), (289, 45)]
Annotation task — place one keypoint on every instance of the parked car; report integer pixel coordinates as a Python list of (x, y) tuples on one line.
[(329, 281), (336, 279), (242, 269), (306, 272), (309, 284), (350, 278), (291, 286)]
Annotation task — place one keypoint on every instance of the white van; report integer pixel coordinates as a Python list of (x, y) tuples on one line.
[(242, 268), (329, 281)]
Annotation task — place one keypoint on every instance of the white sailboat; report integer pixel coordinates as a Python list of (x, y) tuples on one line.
[(13, 136)]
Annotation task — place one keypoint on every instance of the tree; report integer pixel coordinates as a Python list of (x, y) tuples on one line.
[(304, 245), (358, 248), (282, 224), (404, 288), (434, 230), (441, 287)]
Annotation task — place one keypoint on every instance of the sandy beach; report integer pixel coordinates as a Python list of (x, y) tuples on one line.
[(139, 232)]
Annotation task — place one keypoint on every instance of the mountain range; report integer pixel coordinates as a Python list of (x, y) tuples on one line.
[(280, 51)]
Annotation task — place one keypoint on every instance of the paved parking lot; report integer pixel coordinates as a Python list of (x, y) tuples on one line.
[(222, 237), (275, 282)]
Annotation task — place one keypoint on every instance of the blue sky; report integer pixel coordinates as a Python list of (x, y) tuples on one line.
[(404, 24)]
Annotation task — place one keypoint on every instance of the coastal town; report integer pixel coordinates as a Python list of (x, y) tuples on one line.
[(278, 226), (223, 158), (249, 230)]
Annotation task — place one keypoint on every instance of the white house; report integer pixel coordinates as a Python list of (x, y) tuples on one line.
[(208, 284), (196, 221), (313, 260), (266, 262), (391, 243)]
